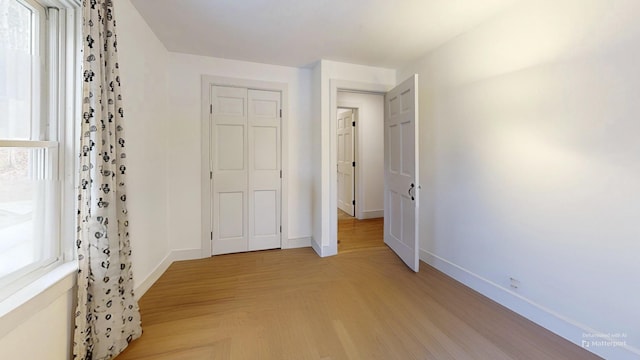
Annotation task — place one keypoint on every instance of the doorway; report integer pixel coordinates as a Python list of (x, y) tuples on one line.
[(401, 170), (360, 170)]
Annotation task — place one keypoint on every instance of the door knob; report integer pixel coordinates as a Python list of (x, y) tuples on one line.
[(411, 188)]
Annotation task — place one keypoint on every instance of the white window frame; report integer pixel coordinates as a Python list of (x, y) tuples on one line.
[(59, 107)]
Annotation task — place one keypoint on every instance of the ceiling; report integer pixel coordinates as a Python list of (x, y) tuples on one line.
[(384, 33)]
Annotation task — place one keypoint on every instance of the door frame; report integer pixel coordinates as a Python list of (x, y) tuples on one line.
[(207, 81), (336, 85)]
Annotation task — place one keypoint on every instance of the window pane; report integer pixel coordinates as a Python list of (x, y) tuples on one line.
[(27, 205), (16, 70)]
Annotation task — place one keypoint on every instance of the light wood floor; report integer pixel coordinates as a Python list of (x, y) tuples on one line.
[(354, 234), (343, 215), (361, 304)]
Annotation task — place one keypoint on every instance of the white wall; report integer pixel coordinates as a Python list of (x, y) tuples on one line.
[(143, 64), (46, 334), (529, 160), (324, 206), (185, 73), (370, 153)]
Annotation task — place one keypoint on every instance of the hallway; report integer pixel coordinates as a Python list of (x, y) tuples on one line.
[(354, 234)]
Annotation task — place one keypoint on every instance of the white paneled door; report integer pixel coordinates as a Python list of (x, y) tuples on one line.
[(264, 170), (401, 171), (245, 169), (346, 162)]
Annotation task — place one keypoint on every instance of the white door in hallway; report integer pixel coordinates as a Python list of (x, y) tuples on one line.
[(401, 171), (245, 169), (346, 162)]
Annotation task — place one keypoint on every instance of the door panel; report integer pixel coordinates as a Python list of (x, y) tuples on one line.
[(232, 105), (345, 186), (264, 164), (230, 208), (265, 147), (401, 171), (394, 148), (246, 169), (230, 141), (408, 155), (395, 215), (265, 219)]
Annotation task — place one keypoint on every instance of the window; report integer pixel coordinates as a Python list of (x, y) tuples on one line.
[(37, 88)]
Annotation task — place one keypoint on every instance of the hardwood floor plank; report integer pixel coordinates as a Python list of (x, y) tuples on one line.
[(361, 304)]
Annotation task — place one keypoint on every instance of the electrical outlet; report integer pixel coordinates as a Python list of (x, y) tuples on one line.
[(514, 283)]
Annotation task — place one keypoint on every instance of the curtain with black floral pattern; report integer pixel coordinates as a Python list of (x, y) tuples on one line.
[(107, 316)]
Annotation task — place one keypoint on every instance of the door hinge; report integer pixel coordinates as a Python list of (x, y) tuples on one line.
[(210, 175), (210, 108), (353, 164), (353, 123), (353, 202), (280, 228), (280, 174), (281, 113), (212, 235)]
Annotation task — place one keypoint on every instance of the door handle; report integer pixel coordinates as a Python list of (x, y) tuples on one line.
[(411, 188)]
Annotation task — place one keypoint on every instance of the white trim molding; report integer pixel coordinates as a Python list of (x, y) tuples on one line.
[(298, 242), (324, 251), (373, 214)]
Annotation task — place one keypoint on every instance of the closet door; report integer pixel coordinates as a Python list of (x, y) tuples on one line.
[(230, 170), (264, 170), (246, 163)]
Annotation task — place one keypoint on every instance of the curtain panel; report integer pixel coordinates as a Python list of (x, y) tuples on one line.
[(107, 316)]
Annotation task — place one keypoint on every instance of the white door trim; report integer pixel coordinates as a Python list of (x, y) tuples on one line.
[(207, 82), (331, 212)]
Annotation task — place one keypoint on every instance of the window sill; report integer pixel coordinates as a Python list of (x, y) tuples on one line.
[(34, 297)]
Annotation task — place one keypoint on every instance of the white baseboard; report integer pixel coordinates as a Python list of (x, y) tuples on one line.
[(298, 242), (186, 254), (316, 247), (174, 255), (324, 251), (373, 214), (139, 290), (329, 250), (550, 320)]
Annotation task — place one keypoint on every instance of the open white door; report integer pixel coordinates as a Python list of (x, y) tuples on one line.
[(401, 171), (346, 163)]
